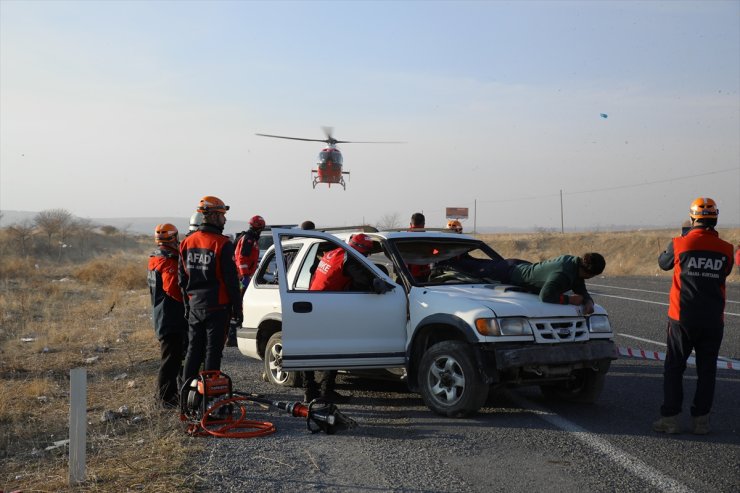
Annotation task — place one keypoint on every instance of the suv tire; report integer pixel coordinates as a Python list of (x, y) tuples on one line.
[(449, 382), (273, 362)]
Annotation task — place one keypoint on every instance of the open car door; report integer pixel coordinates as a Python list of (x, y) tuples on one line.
[(337, 329)]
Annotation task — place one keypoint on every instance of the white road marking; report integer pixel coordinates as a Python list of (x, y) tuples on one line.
[(647, 301), (723, 358), (644, 340), (630, 463), (630, 299), (642, 290)]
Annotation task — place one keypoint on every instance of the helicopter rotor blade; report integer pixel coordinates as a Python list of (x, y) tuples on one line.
[(362, 142), (293, 138)]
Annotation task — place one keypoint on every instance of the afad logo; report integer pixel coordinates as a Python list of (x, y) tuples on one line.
[(706, 263), (199, 260)]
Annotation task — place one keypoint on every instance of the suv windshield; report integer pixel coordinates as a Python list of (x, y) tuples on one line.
[(443, 261)]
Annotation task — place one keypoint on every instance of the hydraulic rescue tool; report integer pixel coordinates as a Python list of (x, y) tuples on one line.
[(208, 405)]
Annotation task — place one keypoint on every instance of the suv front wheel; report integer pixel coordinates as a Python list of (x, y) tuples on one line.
[(449, 382), (273, 362)]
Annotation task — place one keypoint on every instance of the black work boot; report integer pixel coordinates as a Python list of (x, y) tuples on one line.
[(328, 382), (310, 387), (231, 341)]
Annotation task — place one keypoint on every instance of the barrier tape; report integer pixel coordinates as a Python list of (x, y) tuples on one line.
[(659, 356)]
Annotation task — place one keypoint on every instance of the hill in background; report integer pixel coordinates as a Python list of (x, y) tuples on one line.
[(145, 225)]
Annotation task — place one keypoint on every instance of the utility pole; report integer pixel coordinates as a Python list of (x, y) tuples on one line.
[(475, 215), (562, 223)]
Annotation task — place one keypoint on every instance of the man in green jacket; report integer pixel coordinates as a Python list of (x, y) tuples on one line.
[(552, 278)]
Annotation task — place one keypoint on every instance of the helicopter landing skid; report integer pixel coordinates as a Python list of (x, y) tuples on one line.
[(341, 181)]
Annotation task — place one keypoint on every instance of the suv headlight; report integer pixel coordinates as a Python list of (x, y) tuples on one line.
[(599, 323), (503, 327)]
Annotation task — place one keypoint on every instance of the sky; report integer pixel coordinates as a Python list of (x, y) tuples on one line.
[(138, 109)]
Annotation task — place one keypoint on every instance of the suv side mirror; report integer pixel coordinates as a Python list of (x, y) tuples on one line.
[(381, 286)]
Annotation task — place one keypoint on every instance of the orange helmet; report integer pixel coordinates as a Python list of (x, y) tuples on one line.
[(165, 233), (209, 203), (361, 242), (454, 225), (703, 208), (257, 222)]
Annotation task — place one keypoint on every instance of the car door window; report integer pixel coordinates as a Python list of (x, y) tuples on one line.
[(303, 281), (267, 273)]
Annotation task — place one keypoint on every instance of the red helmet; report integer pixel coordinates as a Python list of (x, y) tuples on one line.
[(257, 222), (165, 233), (703, 208), (361, 242), (209, 203)]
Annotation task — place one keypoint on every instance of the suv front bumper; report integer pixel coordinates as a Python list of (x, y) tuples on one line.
[(552, 354)]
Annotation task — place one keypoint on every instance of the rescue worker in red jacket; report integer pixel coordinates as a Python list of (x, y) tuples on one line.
[(337, 271), (210, 287), (700, 261), (168, 312), (247, 253)]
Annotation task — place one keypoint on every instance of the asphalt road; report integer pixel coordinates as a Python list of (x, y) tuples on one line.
[(518, 442)]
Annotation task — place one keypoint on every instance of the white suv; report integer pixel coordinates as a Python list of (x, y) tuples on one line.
[(454, 336)]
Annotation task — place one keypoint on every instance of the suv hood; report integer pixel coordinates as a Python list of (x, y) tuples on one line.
[(506, 300)]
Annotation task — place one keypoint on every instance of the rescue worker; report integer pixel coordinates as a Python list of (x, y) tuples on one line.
[(247, 257), (420, 272), (248, 251), (208, 279), (337, 272), (195, 221), (418, 221), (552, 278), (454, 226), (168, 312), (701, 261)]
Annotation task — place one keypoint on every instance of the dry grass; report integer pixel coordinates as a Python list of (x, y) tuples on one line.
[(96, 316), (627, 253)]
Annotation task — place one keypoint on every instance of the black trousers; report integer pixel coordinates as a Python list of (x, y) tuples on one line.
[(206, 337), (171, 349), (319, 381), (682, 340)]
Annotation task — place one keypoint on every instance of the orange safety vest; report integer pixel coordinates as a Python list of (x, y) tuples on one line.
[(247, 254), (207, 270), (329, 275), (701, 262)]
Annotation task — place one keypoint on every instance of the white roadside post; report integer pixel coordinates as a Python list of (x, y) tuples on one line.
[(77, 425)]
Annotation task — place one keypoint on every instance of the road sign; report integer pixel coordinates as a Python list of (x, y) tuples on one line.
[(456, 212)]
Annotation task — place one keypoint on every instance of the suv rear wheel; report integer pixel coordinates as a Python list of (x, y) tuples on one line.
[(449, 381), (273, 362)]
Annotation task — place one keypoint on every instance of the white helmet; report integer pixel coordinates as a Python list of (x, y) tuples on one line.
[(195, 221)]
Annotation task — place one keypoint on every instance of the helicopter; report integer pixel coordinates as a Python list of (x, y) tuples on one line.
[(329, 166)]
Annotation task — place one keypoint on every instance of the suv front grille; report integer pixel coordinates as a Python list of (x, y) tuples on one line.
[(560, 330)]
